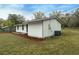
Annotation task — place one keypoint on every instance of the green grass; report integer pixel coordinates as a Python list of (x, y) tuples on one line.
[(67, 43)]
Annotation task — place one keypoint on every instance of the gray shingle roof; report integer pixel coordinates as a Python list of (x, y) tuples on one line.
[(37, 20)]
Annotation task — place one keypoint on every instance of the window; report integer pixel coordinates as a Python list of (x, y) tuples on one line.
[(17, 27), (22, 27), (27, 28), (49, 27)]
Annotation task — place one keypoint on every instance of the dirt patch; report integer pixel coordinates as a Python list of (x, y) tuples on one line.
[(27, 37)]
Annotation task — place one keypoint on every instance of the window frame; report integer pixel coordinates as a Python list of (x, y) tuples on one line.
[(18, 27), (26, 28), (22, 27)]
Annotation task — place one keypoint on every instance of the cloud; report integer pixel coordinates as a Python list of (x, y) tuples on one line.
[(27, 9), (48, 8), (10, 9), (6, 9), (53, 7)]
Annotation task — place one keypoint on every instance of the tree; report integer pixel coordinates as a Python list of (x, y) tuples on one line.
[(76, 16), (20, 19), (67, 18), (57, 15), (1, 22), (7, 23), (39, 15), (16, 19), (76, 13)]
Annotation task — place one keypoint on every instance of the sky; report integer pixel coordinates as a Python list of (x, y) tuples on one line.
[(27, 10)]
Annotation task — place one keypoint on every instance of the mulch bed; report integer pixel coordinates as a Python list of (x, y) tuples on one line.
[(27, 37)]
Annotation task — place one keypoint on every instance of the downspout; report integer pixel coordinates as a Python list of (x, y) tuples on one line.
[(42, 30)]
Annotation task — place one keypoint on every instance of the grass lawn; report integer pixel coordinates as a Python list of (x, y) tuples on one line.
[(67, 43)]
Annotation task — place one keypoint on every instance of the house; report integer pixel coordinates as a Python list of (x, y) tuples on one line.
[(4, 29), (22, 28), (1, 30), (40, 28)]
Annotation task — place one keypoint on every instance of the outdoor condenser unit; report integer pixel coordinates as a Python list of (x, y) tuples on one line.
[(57, 33)]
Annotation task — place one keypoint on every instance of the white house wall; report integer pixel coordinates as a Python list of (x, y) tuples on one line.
[(35, 29), (50, 26), (41, 29), (20, 29), (56, 25)]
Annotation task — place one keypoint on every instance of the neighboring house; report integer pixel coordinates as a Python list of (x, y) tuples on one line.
[(40, 28), (6, 29), (1, 30)]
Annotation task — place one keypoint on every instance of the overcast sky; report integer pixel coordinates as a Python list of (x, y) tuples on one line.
[(27, 9)]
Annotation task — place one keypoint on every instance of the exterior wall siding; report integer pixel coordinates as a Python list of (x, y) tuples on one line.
[(50, 26), (35, 30), (41, 29), (20, 29)]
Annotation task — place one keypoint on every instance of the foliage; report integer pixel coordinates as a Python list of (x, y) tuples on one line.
[(76, 16), (12, 20), (55, 14), (67, 19), (39, 15), (1, 22), (8, 23), (16, 19)]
